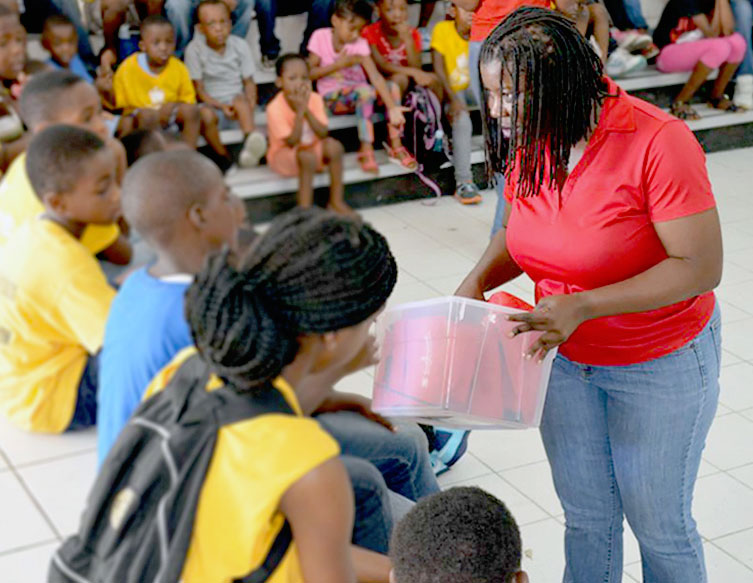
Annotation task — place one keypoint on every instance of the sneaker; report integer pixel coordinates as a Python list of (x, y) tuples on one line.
[(744, 92), (448, 446), (621, 63), (634, 41), (268, 62), (253, 150), (467, 193)]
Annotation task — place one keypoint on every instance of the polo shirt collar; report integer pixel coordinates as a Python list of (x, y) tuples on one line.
[(618, 113)]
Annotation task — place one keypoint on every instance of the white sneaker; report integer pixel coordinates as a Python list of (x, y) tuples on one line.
[(744, 92), (621, 63), (253, 150), (635, 41)]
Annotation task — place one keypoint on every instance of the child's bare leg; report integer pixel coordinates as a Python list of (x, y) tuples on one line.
[(147, 119), (113, 16), (397, 91), (245, 114), (211, 131), (333, 157), (189, 120), (306, 169)]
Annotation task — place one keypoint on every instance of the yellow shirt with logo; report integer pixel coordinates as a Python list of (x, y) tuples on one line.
[(446, 40), (54, 301), (19, 203), (137, 88), (254, 463)]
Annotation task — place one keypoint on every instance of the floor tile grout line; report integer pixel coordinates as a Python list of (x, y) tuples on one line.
[(36, 503), (748, 486), (731, 556), (65, 456), (736, 532), (21, 549), (527, 497)]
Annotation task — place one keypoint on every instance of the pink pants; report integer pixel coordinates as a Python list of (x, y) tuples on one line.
[(712, 52)]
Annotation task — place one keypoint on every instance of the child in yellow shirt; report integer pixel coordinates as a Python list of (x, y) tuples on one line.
[(156, 88), (54, 297)]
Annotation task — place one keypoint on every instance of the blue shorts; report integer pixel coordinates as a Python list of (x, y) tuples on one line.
[(85, 413)]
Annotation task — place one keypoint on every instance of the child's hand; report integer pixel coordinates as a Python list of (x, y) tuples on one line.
[(229, 111), (103, 82), (107, 61), (346, 61), (300, 99), (423, 78), (395, 114)]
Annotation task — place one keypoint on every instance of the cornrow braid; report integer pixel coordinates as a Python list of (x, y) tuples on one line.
[(312, 272), (561, 81)]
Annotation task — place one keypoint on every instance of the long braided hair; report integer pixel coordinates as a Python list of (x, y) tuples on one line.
[(312, 272), (560, 80)]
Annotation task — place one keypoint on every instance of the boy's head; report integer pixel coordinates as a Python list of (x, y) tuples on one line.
[(186, 214), (142, 142), (462, 17), (60, 39), (292, 73), (215, 21), (461, 535), (393, 12), (73, 173), (157, 39), (349, 18), (57, 97), (12, 45)]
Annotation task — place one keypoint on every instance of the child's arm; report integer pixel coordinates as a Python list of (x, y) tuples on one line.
[(600, 20), (119, 253), (320, 510), (204, 97), (251, 93), (320, 129), (416, 73), (317, 71), (406, 34), (394, 111), (300, 107)]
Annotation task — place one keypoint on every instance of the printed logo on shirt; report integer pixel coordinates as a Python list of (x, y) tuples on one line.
[(156, 96), (461, 75)]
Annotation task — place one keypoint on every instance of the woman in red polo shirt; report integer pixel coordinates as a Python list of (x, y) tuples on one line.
[(611, 214)]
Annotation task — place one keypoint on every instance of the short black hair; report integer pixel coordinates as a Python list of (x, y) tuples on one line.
[(154, 20), (285, 59), (56, 20), (56, 156), (210, 3), (461, 535), (349, 8), (42, 95)]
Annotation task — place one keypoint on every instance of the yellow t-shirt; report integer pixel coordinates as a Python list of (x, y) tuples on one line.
[(54, 301), (454, 48), (254, 463), (19, 203), (135, 87)]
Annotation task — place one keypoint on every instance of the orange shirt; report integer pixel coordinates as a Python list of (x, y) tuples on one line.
[(281, 119), (489, 13), (641, 166)]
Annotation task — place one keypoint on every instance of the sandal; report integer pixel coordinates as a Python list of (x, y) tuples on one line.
[(402, 157), (684, 111), (368, 162), (723, 103)]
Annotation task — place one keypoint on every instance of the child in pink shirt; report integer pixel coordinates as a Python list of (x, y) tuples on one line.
[(299, 144), (349, 81)]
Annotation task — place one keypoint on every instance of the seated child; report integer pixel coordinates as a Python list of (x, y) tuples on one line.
[(54, 297), (449, 44), (396, 48), (12, 53), (326, 277), (156, 88), (222, 69), (461, 535), (52, 98), (298, 137), (348, 80)]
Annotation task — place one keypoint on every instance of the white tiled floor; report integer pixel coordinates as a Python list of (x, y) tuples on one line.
[(43, 479)]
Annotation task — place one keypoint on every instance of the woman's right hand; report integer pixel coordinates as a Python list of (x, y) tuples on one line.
[(470, 288)]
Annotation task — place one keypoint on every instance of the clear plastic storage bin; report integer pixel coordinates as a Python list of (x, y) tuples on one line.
[(450, 362)]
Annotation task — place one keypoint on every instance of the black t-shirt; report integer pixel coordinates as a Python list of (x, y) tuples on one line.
[(673, 12)]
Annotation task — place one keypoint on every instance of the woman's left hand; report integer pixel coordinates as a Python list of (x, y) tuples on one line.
[(556, 316)]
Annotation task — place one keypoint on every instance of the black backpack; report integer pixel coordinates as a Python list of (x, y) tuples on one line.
[(424, 133), (139, 516)]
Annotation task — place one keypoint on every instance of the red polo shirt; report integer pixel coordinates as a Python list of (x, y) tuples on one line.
[(641, 166), (489, 13)]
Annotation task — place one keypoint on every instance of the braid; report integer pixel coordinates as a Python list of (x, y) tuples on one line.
[(312, 272), (560, 79)]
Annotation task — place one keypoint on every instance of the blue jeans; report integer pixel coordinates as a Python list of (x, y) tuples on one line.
[(627, 441), (85, 412), (319, 16), (743, 10), (181, 14), (635, 13), (70, 9), (474, 51), (379, 461)]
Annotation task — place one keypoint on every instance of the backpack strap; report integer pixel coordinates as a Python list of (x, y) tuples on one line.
[(273, 559)]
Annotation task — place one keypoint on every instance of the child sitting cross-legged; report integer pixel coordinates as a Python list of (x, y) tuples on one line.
[(54, 297), (461, 535), (52, 98), (449, 44), (299, 144), (222, 69), (349, 81), (156, 88)]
